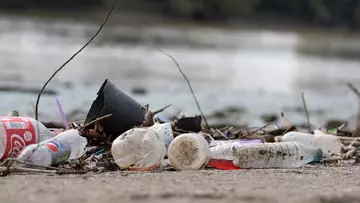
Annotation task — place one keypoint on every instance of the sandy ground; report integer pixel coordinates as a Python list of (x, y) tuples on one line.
[(327, 184)]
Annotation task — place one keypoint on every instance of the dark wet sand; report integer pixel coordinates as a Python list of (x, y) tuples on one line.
[(340, 184)]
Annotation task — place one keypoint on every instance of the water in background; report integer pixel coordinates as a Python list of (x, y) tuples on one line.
[(259, 71)]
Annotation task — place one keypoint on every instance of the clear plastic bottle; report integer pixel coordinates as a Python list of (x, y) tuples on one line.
[(65, 146), (18, 132), (275, 155), (327, 143), (222, 153), (189, 151)]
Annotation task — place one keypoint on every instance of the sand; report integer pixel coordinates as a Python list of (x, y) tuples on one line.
[(316, 184)]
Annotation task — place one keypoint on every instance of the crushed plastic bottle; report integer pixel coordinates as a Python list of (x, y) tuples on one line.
[(222, 153), (327, 143), (65, 146), (19, 132), (275, 155), (138, 149), (164, 131), (189, 151)]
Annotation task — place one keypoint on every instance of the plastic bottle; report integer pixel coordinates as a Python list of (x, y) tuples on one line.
[(164, 131), (18, 132), (215, 143), (275, 155), (189, 151), (222, 153), (327, 143), (65, 146), (138, 149)]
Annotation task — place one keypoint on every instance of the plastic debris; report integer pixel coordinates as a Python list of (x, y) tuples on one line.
[(222, 153), (62, 113), (126, 112), (275, 155), (164, 131), (120, 134), (329, 144), (215, 143), (19, 132), (192, 124), (139, 149), (67, 145), (189, 151)]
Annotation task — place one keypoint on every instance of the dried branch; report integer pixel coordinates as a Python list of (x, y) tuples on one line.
[(189, 84), (72, 57), (149, 120), (16, 169), (254, 131), (94, 121), (161, 110)]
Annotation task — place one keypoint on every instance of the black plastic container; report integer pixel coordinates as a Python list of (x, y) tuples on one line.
[(126, 112)]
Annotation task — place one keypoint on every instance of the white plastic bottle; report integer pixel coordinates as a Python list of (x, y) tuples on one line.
[(165, 132), (327, 143), (138, 149), (189, 151), (275, 155), (65, 146), (18, 132)]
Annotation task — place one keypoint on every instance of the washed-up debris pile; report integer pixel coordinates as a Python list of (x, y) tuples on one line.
[(120, 134)]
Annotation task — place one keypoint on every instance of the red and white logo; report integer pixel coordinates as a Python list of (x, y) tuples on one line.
[(19, 133)]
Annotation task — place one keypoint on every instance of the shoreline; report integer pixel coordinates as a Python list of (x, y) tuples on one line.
[(138, 18)]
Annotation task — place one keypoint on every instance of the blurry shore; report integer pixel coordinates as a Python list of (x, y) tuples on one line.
[(244, 72)]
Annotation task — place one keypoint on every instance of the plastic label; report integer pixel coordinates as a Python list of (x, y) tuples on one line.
[(20, 132)]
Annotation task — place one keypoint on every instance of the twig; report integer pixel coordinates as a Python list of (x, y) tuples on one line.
[(353, 88), (188, 82), (149, 120), (36, 165), (254, 131), (161, 110), (17, 169), (353, 142), (73, 56), (306, 111), (94, 121), (22, 170), (222, 134), (356, 91)]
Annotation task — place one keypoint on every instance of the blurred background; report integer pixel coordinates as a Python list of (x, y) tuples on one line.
[(248, 60)]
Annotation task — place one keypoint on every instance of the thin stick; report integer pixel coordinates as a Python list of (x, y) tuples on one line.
[(222, 134), (188, 82), (254, 131), (40, 166), (353, 142), (353, 88), (94, 121), (161, 110), (16, 169), (72, 57), (306, 111)]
